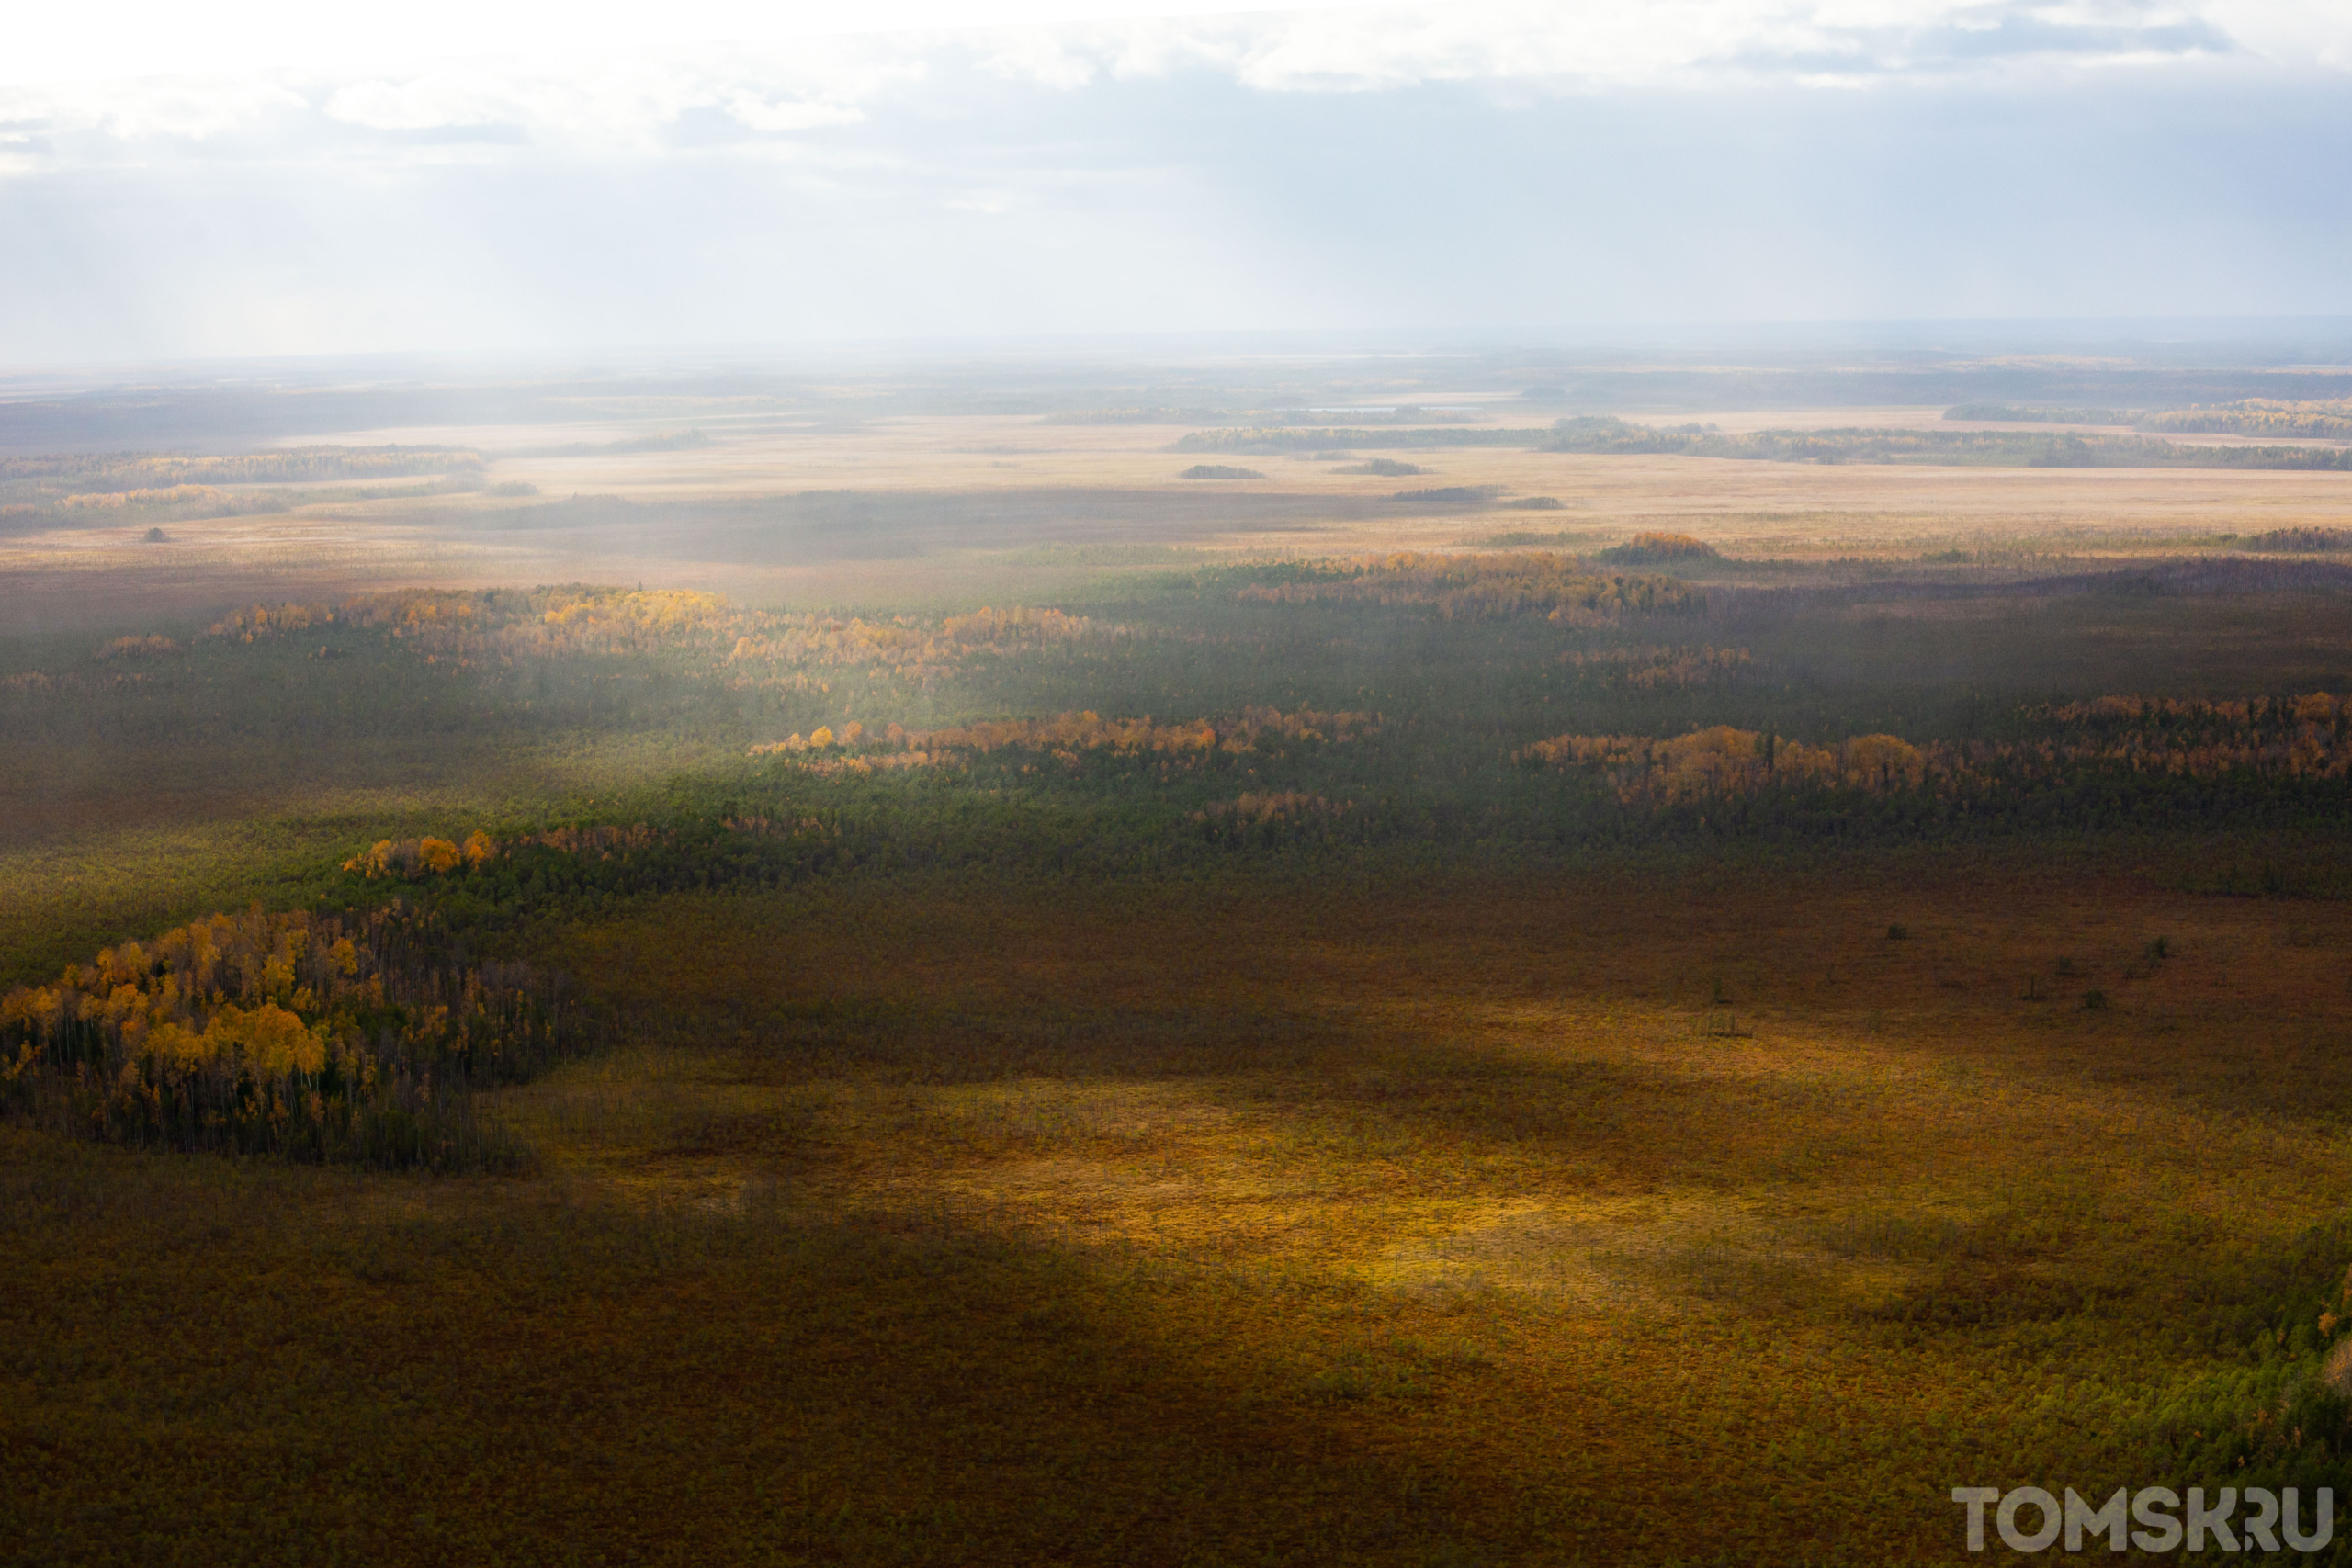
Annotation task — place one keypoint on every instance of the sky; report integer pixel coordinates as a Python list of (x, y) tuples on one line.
[(274, 179)]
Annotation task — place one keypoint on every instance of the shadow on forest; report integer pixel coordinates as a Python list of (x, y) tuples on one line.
[(510, 1372)]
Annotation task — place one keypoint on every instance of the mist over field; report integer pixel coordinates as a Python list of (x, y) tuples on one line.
[(1371, 785)]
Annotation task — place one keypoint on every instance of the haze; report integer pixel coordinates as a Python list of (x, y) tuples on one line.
[(1470, 168)]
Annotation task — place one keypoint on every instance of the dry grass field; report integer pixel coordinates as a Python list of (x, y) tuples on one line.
[(774, 516)]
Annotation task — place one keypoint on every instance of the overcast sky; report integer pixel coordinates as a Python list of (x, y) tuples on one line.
[(274, 179)]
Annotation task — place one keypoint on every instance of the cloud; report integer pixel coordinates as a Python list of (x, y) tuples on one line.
[(757, 113), (642, 102), (621, 104), (439, 99), (168, 108), (1664, 43), (1444, 166)]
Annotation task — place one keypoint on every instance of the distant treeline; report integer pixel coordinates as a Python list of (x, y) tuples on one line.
[(1265, 439), (1991, 448), (2041, 416), (1604, 434), (1108, 797), (2300, 541), (1452, 495), (668, 440), (158, 487), (2258, 416), (1140, 415), (1560, 589), (2327, 420), (109, 472), (1274, 418)]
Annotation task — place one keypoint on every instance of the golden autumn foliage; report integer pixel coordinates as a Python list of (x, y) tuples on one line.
[(1653, 667), (2306, 737), (413, 860), (1013, 626), (1070, 734), (280, 1032), (1725, 760), (269, 1040), (139, 647), (229, 991), (411, 857), (1074, 732)]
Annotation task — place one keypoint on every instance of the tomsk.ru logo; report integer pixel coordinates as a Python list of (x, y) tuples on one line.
[(2268, 1518)]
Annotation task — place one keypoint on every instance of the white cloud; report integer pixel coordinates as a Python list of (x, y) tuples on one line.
[(635, 100), (758, 113), (1574, 159), (1690, 43), (2289, 32), (612, 101), (441, 99), (191, 109)]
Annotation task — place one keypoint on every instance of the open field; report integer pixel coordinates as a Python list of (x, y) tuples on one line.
[(929, 990), (893, 509)]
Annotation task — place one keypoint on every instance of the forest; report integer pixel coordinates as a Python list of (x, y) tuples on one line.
[(2323, 419), (1609, 434), (1348, 1031)]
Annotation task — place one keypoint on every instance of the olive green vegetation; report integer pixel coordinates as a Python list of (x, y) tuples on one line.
[(1441, 1089), (1289, 1231)]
